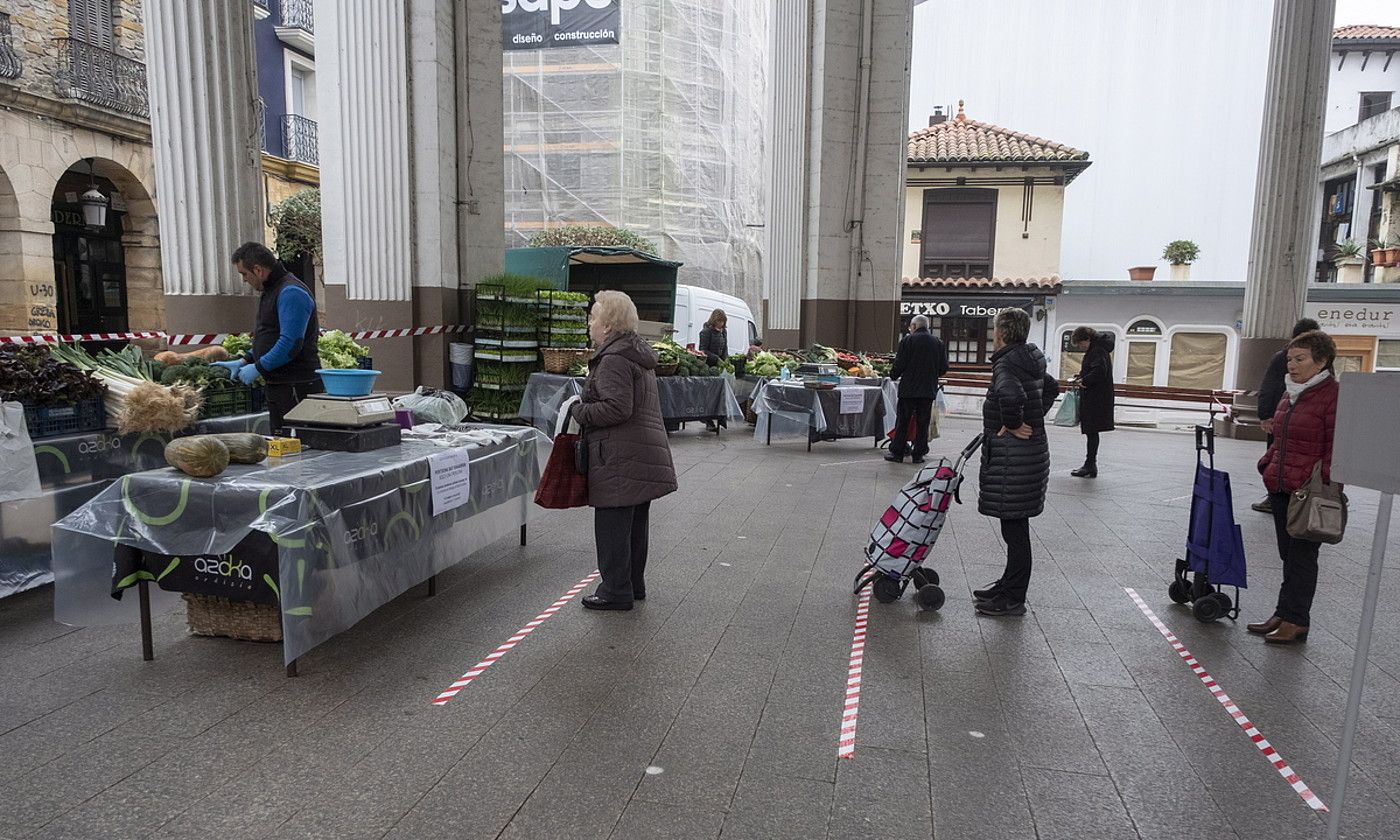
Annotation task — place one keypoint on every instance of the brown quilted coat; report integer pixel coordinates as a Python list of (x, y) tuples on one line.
[(629, 458)]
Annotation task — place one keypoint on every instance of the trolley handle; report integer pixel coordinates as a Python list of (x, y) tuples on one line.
[(1205, 439)]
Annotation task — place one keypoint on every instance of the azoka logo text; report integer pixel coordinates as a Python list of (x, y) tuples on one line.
[(223, 566), (554, 6)]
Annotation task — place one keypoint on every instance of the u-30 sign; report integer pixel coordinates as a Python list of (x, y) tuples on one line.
[(548, 24)]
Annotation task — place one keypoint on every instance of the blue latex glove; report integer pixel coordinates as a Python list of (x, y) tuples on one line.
[(232, 366), (247, 374)]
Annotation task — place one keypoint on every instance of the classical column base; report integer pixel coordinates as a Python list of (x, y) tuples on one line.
[(1254, 358)]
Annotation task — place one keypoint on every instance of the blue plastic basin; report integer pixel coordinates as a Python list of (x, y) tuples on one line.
[(348, 382)]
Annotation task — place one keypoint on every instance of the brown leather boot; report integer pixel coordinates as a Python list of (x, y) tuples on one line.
[(1287, 633), (1263, 628)]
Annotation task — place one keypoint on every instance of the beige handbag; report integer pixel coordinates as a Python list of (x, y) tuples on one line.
[(1317, 512)]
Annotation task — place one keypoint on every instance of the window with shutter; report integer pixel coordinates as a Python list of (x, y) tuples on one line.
[(959, 232), (92, 22)]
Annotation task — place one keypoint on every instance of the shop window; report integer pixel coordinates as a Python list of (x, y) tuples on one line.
[(1348, 363), (1142, 362), (1388, 354), (969, 340), (1071, 360), (1197, 361)]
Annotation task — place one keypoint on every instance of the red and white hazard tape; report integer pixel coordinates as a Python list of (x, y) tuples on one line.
[(216, 338), (495, 655), (1216, 691), (847, 745)]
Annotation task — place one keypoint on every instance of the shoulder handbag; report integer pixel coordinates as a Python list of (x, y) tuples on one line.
[(1317, 511), (562, 484), (1068, 415)]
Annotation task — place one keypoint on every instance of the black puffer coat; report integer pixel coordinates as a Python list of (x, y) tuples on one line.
[(1096, 395), (1016, 472), (714, 344)]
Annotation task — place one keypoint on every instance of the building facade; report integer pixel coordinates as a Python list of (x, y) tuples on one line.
[(75, 128)]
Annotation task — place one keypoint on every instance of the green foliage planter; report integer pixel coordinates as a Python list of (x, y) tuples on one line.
[(586, 235), (296, 224)]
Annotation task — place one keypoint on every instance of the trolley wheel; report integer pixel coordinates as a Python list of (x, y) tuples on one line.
[(1200, 588), (887, 590), (930, 597), (1207, 609), (1225, 602), (924, 577), (1179, 592)]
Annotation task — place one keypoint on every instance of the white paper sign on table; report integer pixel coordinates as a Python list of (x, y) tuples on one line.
[(451, 479), (852, 400)]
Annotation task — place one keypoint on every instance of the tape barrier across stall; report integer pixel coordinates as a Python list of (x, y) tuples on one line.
[(199, 339), (331, 536)]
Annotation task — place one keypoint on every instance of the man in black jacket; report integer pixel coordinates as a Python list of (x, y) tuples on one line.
[(921, 361), (1271, 389)]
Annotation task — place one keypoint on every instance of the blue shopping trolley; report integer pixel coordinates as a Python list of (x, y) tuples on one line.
[(1214, 544)]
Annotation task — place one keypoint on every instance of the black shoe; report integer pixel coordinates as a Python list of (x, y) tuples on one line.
[(1086, 471), (916, 460), (993, 589), (639, 594), (593, 602), (895, 459), (1263, 506), (1001, 605)]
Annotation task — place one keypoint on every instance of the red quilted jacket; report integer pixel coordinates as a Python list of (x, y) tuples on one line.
[(1302, 437)]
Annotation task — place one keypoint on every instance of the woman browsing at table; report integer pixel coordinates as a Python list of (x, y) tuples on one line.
[(714, 343), (629, 457)]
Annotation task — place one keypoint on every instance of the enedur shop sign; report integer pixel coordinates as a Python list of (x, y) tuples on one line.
[(548, 24)]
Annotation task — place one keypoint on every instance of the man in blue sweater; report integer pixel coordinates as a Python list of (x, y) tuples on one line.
[(284, 337)]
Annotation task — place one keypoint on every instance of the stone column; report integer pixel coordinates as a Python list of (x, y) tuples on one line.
[(1284, 243), (366, 173), (200, 71), (789, 80)]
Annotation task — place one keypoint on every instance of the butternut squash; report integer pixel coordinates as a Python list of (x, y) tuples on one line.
[(244, 447), (202, 456)]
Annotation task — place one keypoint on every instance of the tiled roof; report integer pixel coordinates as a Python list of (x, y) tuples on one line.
[(960, 139), (1050, 283), (1367, 33)]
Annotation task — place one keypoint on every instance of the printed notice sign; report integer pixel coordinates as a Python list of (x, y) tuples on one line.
[(852, 400), (451, 479), (549, 24)]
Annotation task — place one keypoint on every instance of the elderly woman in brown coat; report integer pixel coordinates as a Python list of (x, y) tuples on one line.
[(629, 458)]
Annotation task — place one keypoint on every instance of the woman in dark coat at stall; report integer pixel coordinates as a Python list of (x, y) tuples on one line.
[(714, 343), (1304, 424), (629, 458), (1015, 456), (1095, 382)]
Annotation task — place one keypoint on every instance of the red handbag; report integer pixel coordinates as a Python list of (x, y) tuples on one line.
[(562, 485)]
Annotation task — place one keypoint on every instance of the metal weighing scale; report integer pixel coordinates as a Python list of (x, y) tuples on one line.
[(344, 424)]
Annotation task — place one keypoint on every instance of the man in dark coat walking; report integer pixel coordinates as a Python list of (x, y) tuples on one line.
[(1015, 456), (921, 361), (1271, 389), (1095, 382)]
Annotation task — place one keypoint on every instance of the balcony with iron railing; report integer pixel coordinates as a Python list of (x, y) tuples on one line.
[(10, 63), (260, 9), (99, 76), (299, 141), (296, 25)]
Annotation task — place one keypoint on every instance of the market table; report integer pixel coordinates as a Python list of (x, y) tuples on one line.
[(683, 398), (72, 470), (327, 536), (855, 410)]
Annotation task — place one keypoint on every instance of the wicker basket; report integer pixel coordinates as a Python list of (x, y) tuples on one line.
[(560, 359), (211, 616), (667, 370)]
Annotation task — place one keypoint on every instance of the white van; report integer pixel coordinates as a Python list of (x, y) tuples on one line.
[(693, 308)]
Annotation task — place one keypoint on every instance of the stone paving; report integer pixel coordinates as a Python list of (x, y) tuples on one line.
[(712, 710)]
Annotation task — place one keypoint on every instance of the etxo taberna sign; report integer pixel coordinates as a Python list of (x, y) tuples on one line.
[(547, 24)]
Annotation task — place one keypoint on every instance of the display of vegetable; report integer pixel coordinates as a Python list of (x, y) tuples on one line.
[(243, 447), (502, 373), (495, 404), (31, 375), (134, 402), (579, 368), (514, 285), (207, 354), (764, 364), (238, 344), (338, 350), (202, 456)]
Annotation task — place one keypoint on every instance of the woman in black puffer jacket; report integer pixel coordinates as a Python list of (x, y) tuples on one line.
[(1015, 456)]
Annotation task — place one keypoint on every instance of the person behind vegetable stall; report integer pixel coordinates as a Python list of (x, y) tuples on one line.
[(629, 458), (284, 334)]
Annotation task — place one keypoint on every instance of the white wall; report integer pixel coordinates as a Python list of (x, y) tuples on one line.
[(1347, 84), (1165, 95)]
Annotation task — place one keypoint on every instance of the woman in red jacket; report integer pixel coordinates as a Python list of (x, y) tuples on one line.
[(1303, 427)]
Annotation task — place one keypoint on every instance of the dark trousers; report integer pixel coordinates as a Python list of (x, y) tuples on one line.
[(1299, 557), (1017, 577), (621, 535), (1091, 449), (283, 397), (919, 411)]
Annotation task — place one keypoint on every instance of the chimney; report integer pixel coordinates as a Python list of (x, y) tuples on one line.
[(938, 116)]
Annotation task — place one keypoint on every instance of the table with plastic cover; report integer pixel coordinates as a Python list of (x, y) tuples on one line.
[(683, 399), (817, 414), (326, 536)]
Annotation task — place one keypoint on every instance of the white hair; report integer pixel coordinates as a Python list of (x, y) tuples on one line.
[(615, 311), (920, 322)]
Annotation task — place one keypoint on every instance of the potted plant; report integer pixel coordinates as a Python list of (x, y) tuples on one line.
[(1181, 253), (1142, 272), (1349, 262), (1379, 258), (1392, 253)]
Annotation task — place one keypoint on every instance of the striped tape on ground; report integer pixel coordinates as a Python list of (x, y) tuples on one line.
[(846, 746), (1231, 707), (495, 655), (199, 339)]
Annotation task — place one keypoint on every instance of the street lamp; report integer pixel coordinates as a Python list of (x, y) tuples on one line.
[(94, 202)]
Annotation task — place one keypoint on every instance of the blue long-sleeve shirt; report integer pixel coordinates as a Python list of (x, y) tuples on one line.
[(294, 308)]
